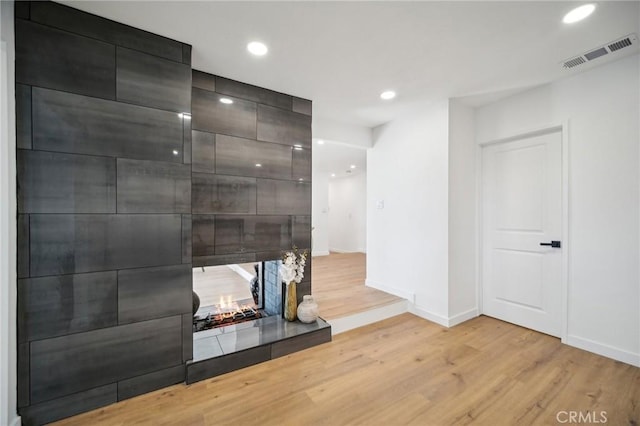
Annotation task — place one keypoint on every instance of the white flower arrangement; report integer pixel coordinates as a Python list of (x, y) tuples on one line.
[(292, 268)]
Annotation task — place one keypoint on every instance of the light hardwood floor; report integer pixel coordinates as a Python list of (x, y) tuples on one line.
[(404, 370), (338, 286)]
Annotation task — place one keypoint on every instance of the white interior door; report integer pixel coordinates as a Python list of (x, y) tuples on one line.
[(522, 208)]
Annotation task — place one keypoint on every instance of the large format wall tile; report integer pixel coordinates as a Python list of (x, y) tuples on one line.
[(76, 21), (252, 93), (187, 332), (202, 80), (301, 167), (223, 194), (23, 245), (56, 59), (64, 304), (203, 235), (284, 197), (285, 127), (108, 128), (186, 238), (149, 293), (302, 231), (153, 187), (64, 365), (211, 115), (238, 234), (50, 182), (65, 244), (23, 116), (203, 152), (303, 106), (151, 81), (239, 157), (67, 406)]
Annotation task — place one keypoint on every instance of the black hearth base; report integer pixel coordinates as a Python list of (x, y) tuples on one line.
[(222, 350)]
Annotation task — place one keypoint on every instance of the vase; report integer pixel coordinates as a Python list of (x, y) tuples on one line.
[(291, 302), (195, 303), (308, 310)]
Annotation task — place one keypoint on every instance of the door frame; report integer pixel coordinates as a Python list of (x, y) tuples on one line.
[(563, 128)]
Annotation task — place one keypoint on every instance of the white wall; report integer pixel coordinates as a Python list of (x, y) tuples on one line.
[(462, 213), (320, 213), (347, 214), (349, 134), (8, 402), (601, 107), (407, 240)]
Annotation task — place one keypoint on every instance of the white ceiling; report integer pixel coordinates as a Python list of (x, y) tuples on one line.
[(343, 54), (335, 158)]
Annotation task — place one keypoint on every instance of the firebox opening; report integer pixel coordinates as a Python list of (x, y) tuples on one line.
[(228, 294)]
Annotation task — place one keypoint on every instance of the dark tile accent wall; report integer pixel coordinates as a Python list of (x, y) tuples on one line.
[(68, 364), (251, 173), (252, 93), (149, 293), (151, 81), (108, 128), (23, 245), (64, 304), (74, 63), (203, 152), (23, 116), (281, 126), (51, 182), (283, 197), (210, 114), (104, 202), (67, 244), (153, 187), (56, 409), (223, 194), (86, 24), (245, 157)]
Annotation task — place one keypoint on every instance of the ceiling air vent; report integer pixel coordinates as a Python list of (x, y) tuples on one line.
[(600, 51)]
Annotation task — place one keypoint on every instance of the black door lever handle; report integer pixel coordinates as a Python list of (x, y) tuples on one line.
[(554, 244)]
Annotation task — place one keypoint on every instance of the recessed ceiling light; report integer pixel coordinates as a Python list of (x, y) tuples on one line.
[(333, 175), (389, 94), (353, 166), (320, 142), (579, 13), (175, 152), (257, 48), (258, 165), (226, 101)]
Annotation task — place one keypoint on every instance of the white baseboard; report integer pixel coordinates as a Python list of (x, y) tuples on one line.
[(391, 290), (430, 316), (340, 325), (336, 250), (315, 253), (442, 320), (463, 316), (604, 350)]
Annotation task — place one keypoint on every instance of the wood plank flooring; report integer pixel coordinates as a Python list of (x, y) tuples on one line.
[(221, 281), (338, 286), (402, 371)]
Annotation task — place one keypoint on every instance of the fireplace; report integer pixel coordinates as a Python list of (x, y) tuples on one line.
[(236, 293)]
